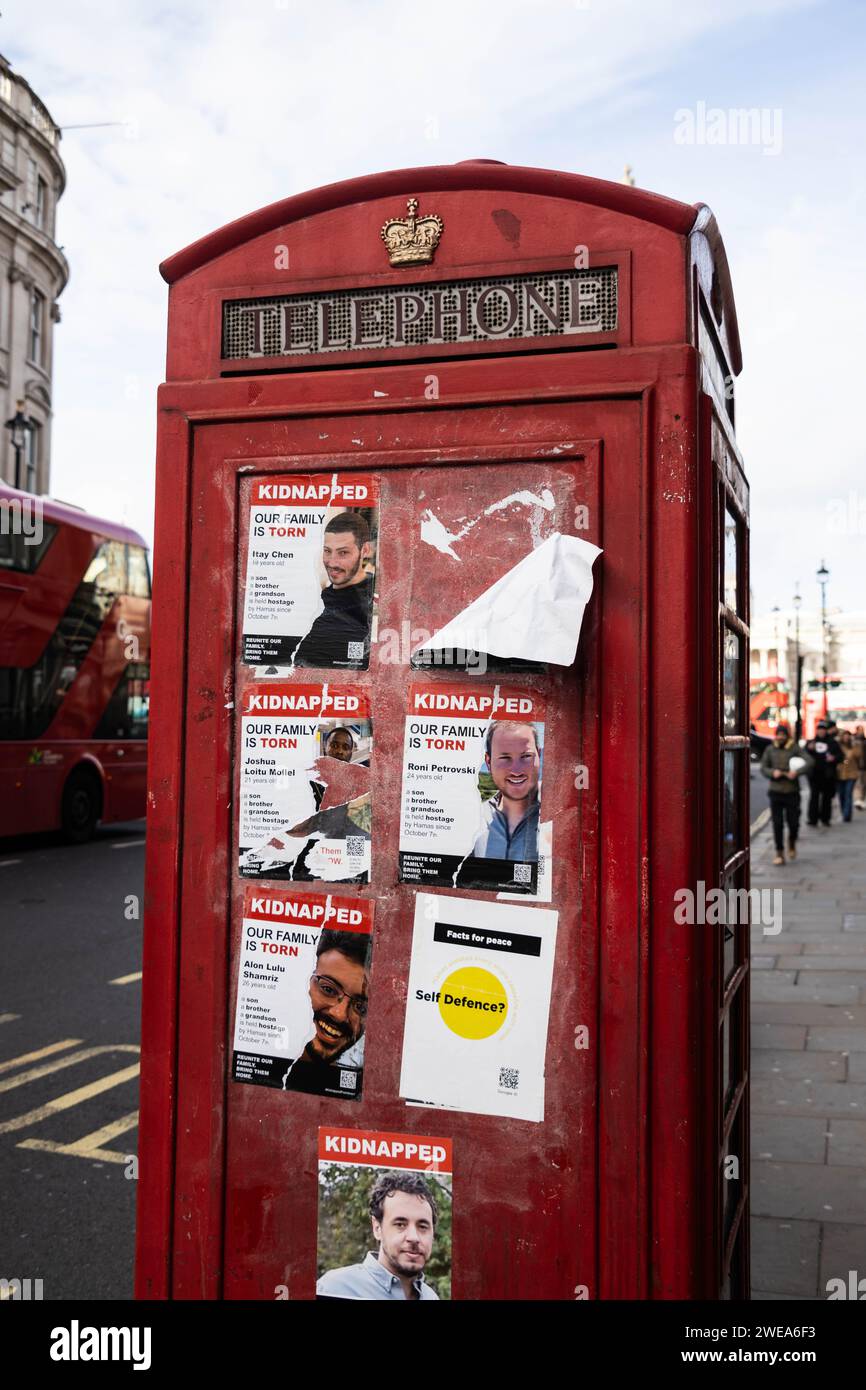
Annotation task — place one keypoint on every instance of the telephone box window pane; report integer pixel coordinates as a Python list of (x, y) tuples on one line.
[(731, 585), (732, 839), (731, 683), (732, 1172), (725, 1047), (730, 932)]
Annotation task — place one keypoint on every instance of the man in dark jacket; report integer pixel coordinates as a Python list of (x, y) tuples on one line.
[(826, 755), (784, 791), (340, 636)]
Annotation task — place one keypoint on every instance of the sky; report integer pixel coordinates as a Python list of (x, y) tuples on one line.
[(225, 107)]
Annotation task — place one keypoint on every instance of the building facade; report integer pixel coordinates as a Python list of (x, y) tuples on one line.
[(776, 638), (33, 273)]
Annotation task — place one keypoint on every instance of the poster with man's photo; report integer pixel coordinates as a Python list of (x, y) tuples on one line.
[(305, 798), (310, 574), (471, 800), (384, 1216), (303, 992)]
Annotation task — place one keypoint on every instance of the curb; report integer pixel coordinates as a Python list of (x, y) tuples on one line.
[(758, 825)]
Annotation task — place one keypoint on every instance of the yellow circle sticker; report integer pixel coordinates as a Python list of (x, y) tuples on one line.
[(473, 1003)]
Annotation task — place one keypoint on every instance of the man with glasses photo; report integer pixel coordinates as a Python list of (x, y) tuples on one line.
[(332, 1061)]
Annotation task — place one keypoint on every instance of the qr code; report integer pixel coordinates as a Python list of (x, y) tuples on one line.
[(355, 846), (355, 651), (523, 873), (348, 1081), (509, 1078)]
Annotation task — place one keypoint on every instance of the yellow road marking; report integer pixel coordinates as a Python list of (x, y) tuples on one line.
[(90, 1146), (126, 979), (53, 1107), (35, 1056), (60, 1062), (8, 1018)]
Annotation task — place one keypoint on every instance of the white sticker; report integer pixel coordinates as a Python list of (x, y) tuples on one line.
[(478, 1006)]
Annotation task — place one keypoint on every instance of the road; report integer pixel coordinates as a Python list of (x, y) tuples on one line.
[(758, 788), (70, 997)]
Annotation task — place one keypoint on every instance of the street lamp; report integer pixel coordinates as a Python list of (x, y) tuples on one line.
[(19, 427), (798, 725), (822, 576)]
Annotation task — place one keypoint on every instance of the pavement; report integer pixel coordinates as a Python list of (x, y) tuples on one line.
[(808, 1175)]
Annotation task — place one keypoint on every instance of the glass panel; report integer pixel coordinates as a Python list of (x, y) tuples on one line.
[(23, 542), (138, 578), (126, 713), (732, 839), (732, 1069), (731, 587), (731, 683), (732, 1172), (107, 570), (730, 949)]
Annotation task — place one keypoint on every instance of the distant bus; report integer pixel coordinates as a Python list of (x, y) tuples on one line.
[(74, 668), (770, 703), (844, 700)]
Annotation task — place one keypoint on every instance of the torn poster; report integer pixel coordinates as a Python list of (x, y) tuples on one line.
[(533, 613), (478, 1006), (305, 800), (311, 565), (384, 1215), (471, 799), (303, 992)]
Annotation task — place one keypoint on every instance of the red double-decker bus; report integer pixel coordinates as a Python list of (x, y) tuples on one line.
[(74, 668)]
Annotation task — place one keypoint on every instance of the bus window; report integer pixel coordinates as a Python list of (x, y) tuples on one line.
[(107, 570), (138, 578), (126, 712), (24, 553)]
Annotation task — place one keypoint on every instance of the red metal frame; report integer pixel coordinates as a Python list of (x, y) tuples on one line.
[(612, 1191)]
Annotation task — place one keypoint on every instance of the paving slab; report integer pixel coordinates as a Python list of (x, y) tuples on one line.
[(790, 1190), (781, 1095), (783, 1035), (828, 1039), (814, 1015), (782, 986), (843, 1248), (789, 1138), (827, 963), (857, 1066), (846, 1143), (801, 1066), (839, 946), (785, 1257)]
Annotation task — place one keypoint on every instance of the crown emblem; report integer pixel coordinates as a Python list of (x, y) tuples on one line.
[(412, 240)]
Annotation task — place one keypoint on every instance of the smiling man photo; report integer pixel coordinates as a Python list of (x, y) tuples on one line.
[(509, 818), (403, 1214), (332, 1061), (340, 636)]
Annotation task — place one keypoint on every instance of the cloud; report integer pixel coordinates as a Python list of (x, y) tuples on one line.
[(230, 108)]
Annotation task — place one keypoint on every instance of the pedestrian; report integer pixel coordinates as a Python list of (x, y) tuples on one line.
[(860, 790), (848, 773), (826, 756), (783, 763)]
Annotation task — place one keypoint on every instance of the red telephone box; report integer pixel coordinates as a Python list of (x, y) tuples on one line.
[(501, 357)]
